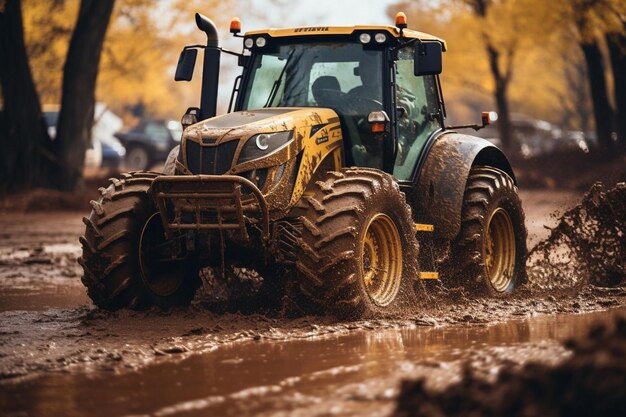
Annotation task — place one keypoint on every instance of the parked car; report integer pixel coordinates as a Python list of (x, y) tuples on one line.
[(537, 137), (104, 149), (150, 142)]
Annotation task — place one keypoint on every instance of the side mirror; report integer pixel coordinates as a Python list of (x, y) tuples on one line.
[(186, 64), (427, 58)]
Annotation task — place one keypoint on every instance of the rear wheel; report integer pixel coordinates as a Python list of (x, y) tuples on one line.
[(359, 252), (489, 255), (121, 234)]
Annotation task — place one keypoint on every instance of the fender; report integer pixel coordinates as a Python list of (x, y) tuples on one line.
[(442, 178)]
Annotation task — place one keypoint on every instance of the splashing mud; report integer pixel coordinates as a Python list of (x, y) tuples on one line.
[(587, 246)]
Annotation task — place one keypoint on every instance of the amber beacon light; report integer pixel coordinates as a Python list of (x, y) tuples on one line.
[(235, 25), (401, 20)]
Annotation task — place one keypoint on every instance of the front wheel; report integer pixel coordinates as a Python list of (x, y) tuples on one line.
[(489, 255), (126, 260), (358, 248)]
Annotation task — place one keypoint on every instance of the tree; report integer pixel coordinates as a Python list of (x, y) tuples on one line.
[(501, 64), (616, 43), (585, 15), (128, 66), (27, 158), (79, 83)]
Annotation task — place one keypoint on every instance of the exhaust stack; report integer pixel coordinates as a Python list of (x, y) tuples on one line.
[(210, 69)]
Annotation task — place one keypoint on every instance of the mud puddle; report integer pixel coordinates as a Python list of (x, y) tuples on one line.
[(64, 357), (40, 276), (348, 374)]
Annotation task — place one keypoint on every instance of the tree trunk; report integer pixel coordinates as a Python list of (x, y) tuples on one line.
[(505, 127), (617, 49), (25, 148), (79, 83), (602, 111), (501, 80)]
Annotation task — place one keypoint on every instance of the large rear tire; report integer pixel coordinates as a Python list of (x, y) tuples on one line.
[(358, 248), (489, 254), (111, 257)]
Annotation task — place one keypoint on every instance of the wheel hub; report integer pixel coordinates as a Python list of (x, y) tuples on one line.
[(500, 250), (381, 263), (162, 267)]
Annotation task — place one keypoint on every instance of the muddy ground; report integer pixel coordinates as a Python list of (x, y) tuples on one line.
[(56, 349)]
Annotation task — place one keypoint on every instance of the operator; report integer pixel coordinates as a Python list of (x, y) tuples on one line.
[(369, 153)]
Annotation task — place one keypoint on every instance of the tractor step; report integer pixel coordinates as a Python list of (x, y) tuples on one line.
[(429, 275), (422, 227)]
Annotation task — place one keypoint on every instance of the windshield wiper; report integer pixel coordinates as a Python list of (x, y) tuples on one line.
[(278, 81)]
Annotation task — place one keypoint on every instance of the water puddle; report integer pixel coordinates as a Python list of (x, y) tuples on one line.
[(350, 374)]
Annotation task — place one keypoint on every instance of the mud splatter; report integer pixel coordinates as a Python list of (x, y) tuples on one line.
[(587, 246)]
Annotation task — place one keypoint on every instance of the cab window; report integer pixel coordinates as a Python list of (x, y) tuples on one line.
[(417, 101), (344, 77)]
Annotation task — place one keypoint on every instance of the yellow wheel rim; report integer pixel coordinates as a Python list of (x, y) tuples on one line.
[(381, 259), (500, 250)]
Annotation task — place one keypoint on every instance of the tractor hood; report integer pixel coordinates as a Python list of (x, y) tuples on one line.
[(247, 140)]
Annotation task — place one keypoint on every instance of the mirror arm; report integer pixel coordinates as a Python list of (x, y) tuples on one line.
[(485, 122), (194, 47), (226, 51), (405, 44), (221, 49)]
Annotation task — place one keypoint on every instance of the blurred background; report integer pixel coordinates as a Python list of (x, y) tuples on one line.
[(88, 86)]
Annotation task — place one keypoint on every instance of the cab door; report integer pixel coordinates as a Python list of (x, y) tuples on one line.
[(418, 114)]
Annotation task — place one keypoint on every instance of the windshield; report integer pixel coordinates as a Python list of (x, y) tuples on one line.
[(340, 76)]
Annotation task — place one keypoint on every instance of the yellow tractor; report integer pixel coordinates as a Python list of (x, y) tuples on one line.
[(332, 175)]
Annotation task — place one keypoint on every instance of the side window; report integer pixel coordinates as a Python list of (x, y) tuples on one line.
[(416, 100)]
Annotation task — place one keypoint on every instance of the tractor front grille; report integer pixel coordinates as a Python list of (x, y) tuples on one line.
[(210, 160)]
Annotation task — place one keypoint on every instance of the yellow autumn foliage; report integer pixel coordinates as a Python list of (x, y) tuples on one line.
[(139, 55), (536, 38)]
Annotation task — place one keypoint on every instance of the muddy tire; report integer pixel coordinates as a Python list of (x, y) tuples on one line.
[(358, 249), (111, 255), (489, 254)]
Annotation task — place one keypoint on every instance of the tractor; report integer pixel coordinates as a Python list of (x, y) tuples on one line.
[(333, 175)]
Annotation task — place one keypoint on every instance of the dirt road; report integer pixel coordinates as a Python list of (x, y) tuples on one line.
[(60, 356)]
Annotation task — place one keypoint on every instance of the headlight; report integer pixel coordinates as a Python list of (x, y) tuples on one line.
[(365, 37), (264, 144)]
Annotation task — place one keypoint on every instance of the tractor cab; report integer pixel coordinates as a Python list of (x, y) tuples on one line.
[(382, 82), (366, 74)]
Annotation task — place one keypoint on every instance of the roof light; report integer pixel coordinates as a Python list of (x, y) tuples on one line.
[(248, 43), (260, 42), (401, 20), (380, 37), (365, 37), (235, 26)]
